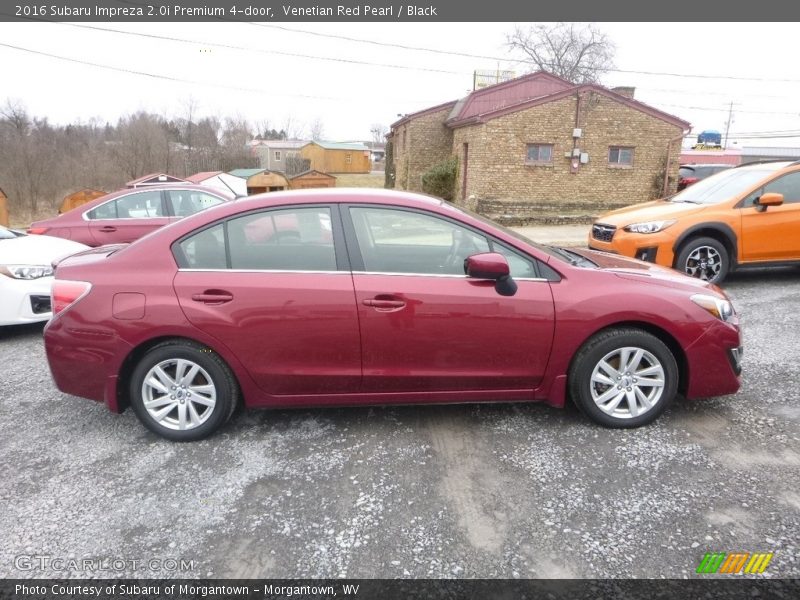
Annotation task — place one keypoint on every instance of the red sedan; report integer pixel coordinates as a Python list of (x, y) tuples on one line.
[(348, 297), (127, 215)]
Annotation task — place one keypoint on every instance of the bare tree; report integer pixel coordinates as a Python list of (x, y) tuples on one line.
[(316, 129), (378, 131), (578, 53)]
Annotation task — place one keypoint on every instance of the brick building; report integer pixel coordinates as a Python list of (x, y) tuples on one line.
[(539, 142)]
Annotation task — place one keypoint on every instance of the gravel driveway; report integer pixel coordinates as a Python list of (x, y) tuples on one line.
[(444, 491)]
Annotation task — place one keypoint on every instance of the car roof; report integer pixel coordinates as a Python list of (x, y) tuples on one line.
[(342, 195), (767, 166), (695, 165)]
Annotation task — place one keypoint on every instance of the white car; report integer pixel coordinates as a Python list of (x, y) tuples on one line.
[(26, 274)]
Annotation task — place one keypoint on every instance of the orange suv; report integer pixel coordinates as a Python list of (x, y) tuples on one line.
[(746, 216)]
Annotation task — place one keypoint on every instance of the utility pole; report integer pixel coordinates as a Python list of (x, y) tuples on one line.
[(728, 126)]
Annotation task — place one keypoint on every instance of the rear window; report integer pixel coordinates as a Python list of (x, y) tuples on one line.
[(686, 172)]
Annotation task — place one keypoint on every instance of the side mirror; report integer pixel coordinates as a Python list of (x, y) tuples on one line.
[(494, 267), (769, 199)]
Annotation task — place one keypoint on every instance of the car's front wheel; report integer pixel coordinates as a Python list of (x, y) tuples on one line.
[(623, 377), (182, 391), (704, 258)]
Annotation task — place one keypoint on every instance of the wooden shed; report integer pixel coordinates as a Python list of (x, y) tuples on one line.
[(311, 179), (3, 208), (335, 157), (154, 179), (78, 198), (261, 180), (224, 182)]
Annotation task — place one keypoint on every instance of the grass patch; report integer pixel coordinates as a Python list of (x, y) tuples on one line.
[(365, 180)]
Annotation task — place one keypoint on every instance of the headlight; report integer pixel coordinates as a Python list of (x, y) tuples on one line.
[(720, 308), (26, 271), (648, 226)]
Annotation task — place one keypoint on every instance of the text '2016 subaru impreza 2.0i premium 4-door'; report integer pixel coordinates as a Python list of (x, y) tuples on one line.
[(347, 297)]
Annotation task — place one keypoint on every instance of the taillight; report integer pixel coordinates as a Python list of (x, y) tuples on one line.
[(689, 180), (64, 293), (38, 230)]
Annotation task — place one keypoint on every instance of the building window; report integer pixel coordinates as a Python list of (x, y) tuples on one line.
[(277, 156), (348, 159), (620, 156), (539, 154)]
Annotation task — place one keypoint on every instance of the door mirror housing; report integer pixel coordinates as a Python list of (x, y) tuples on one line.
[(493, 267), (768, 199), (487, 265)]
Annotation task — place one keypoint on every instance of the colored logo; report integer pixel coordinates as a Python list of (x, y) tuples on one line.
[(734, 562)]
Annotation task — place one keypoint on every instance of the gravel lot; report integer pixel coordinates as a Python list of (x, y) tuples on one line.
[(455, 491)]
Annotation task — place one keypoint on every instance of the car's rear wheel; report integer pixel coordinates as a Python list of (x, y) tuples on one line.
[(623, 377), (182, 391), (704, 258)]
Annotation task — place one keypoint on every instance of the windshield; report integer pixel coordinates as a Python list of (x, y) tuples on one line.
[(7, 234), (722, 186)]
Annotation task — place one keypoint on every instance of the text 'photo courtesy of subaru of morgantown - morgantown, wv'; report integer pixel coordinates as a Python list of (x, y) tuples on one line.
[(747, 216), (351, 297)]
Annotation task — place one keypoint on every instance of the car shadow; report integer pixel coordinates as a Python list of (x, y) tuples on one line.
[(13, 332)]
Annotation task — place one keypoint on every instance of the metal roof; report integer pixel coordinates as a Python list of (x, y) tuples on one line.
[(340, 145), (245, 173), (202, 176), (770, 151)]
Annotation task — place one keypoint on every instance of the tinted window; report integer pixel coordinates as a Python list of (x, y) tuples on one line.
[(686, 172), (788, 185), (204, 250), (297, 239), (188, 202), (142, 205), (398, 241), (104, 211), (520, 266)]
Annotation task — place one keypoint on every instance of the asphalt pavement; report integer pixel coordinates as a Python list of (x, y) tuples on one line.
[(465, 491)]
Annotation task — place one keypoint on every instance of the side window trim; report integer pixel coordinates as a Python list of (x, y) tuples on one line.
[(339, 243), (354, 251)]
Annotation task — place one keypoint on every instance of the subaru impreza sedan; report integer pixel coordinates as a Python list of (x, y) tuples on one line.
[(356, 297)]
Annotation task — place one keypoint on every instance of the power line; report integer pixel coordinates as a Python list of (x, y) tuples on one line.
[(167, 77), (249, 49), (485, 57)]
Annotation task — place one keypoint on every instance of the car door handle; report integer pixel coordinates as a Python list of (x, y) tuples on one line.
[(213, 297), (384, 303), (108, 229)]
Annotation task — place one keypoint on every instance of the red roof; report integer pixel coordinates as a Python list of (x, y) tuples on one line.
[(199, 177)]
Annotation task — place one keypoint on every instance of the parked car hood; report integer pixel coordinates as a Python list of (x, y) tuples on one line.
[(656, 210), (37, 249), (631, 268)]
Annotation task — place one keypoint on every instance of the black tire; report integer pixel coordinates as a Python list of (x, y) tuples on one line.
[(696, 258), (604, 345), (212, 370)]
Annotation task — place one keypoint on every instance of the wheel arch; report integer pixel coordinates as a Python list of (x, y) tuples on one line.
[(659, 332), (722, 232), (133, 357)]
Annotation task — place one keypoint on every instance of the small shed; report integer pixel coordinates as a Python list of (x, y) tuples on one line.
[(336, 157), (79, 198), (262, 180), (154, 179), (311, 179), (3, 208), (225, 182)]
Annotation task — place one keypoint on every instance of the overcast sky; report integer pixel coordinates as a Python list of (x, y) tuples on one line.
[(256, 81)]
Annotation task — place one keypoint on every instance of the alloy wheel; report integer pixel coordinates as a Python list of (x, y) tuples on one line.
[(704, 262), (627, 382), (179, 394)]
